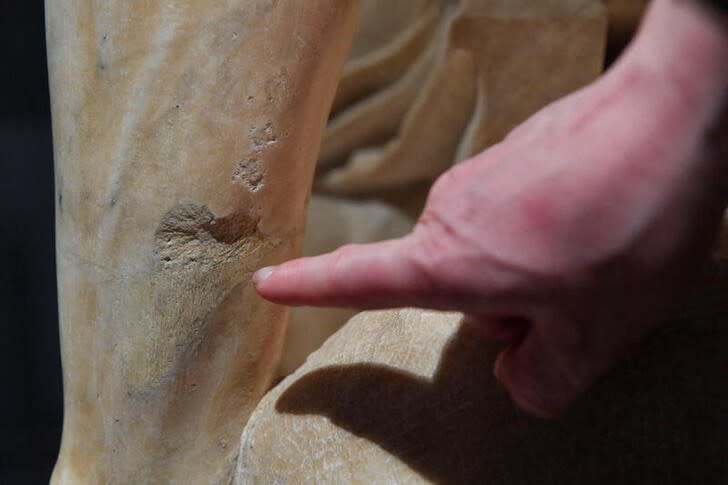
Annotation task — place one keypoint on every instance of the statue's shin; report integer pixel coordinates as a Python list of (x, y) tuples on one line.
[(185, 137)]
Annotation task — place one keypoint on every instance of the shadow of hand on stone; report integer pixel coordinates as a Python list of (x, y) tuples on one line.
[(437, 426), (654, 419)]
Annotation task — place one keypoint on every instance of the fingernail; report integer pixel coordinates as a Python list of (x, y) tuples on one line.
[(262, 274)]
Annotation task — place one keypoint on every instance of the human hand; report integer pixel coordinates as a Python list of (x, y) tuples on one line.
[(566, 241)]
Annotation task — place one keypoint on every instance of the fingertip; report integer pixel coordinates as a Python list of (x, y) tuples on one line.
[(260, 276), (281, 284), (367, 276)]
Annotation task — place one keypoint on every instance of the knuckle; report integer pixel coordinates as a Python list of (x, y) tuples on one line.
[(424, 268), (441, 257), (439, 242), (447, 182)]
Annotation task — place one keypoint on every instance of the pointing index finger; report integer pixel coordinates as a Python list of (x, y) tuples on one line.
[(380, 275)]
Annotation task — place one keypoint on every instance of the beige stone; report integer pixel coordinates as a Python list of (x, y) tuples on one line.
[(428, 137), (408, 396), (331, 224), (527, 54), (185, 134), (368, 73), (499, 62), (381, 21), (377, 118)]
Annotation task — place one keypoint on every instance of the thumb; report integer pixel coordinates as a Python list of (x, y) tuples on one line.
[(388, 274), (544, 376)]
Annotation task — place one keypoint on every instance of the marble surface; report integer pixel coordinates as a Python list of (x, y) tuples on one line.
[(185, 137)]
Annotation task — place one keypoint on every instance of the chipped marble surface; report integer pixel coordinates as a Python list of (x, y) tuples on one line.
[(185, 136)]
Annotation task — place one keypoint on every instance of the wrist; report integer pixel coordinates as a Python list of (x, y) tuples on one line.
[(677, 74), (681, 50), (662, 106)]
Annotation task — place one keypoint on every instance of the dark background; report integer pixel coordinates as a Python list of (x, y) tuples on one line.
[(30, 371)]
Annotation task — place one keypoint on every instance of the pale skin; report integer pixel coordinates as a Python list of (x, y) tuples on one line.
[(571, 237)]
